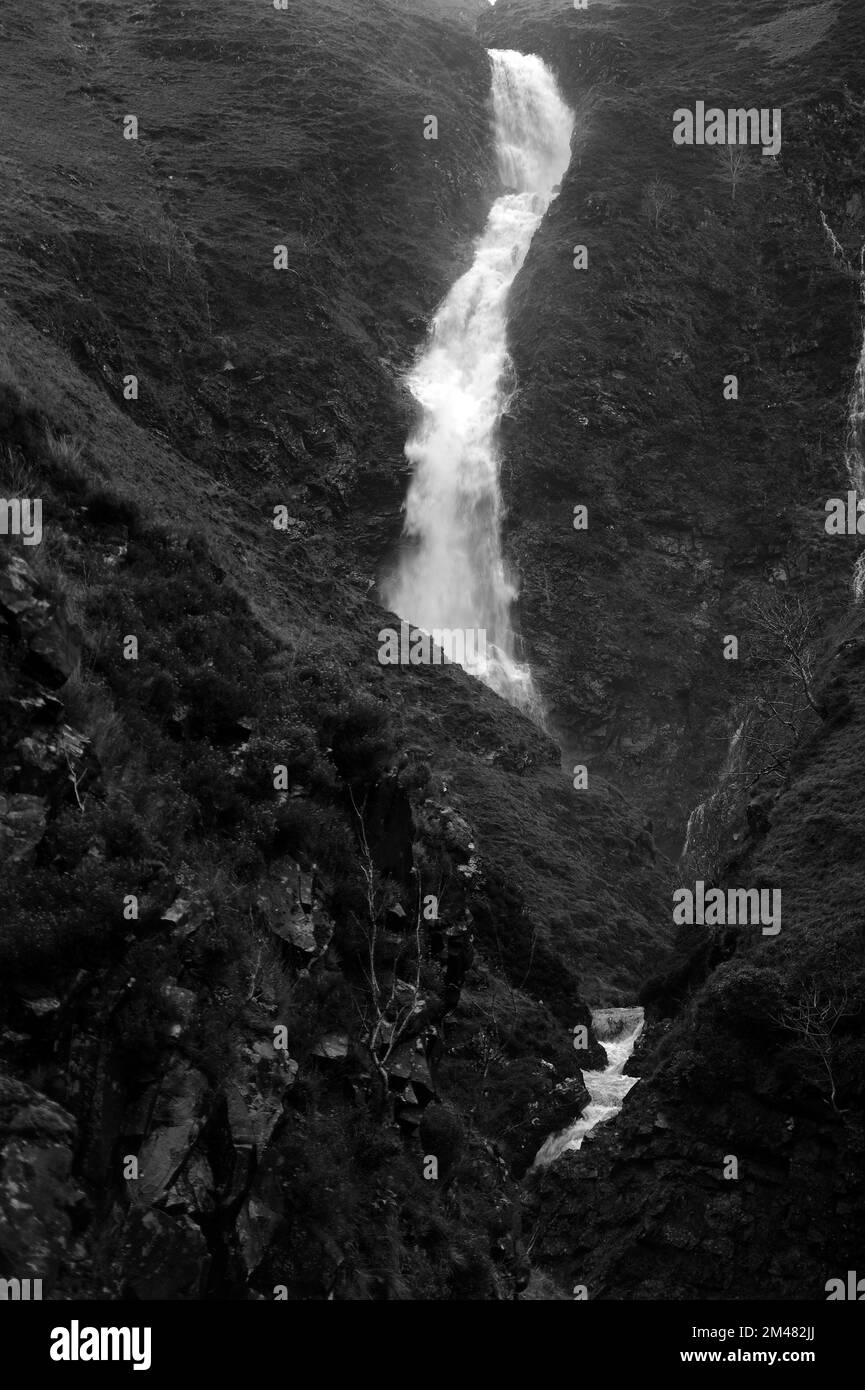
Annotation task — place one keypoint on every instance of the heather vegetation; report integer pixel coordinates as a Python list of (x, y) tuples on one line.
[(281, 924), (199, 777)]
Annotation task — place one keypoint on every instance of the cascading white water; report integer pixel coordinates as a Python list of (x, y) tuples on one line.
[(451, 574), (854, 445), (696, 854), (854, 453), (618, 1030)]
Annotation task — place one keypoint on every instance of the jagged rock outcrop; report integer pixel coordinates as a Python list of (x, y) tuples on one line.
[(39, 1198), (31, 617), (43, 761), (268, 1166)]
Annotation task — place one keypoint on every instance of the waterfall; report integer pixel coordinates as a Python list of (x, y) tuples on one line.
[(854, 445), (854, 452), (451, 575), (618, 1030), (697, 852)]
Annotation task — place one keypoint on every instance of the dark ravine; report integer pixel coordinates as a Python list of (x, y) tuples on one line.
[(152, 1036), (644, 1210), (148, 1031)]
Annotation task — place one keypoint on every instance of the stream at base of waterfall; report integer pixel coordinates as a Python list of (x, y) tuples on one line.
[(617, 1030)]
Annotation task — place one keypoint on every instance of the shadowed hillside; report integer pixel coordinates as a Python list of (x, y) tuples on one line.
[(706, 519), (279, 924), (694, 501), (232, 833)]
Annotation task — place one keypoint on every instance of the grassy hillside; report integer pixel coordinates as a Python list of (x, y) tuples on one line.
[(218, 845), (168, 904)]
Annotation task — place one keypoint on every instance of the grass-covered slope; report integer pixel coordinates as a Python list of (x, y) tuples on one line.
[(260, 388), (168, 903)]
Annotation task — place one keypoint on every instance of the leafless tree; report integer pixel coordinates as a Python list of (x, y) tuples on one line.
[(790, 624), (813, 1016), (735, 165), (658, 196), (391, 1008)]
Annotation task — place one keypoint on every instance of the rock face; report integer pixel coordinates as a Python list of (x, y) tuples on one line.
[(28, 614), (22, 825), (621, 371), (734, 1170), (645, 1211), (38, 1195), (150, 1255), (563, 1103), (225, 979), (174, 1122), (41, 757)]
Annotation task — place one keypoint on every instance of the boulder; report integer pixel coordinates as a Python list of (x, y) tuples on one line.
[(457, 835), (185, 915), (407, 1066), (560, 1106), (288, 905), (261, 1086), (22, 825), (155, 1256), (48, 759), (194, 1191), (37, 1195), (260, 1216), (177, 1116), (333, 1047), (53, 642)]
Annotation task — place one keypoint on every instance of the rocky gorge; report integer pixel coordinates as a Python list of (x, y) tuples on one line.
[(279, 924)]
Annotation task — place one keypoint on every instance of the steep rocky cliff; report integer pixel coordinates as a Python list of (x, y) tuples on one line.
[(278, 924), (234, 1026), (694, 501), (734, 1170)]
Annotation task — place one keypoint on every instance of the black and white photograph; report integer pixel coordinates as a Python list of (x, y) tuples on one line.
[(432, 675)]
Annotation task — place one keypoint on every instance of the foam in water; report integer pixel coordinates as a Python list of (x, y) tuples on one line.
[(618, 1030), (451, 573)]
